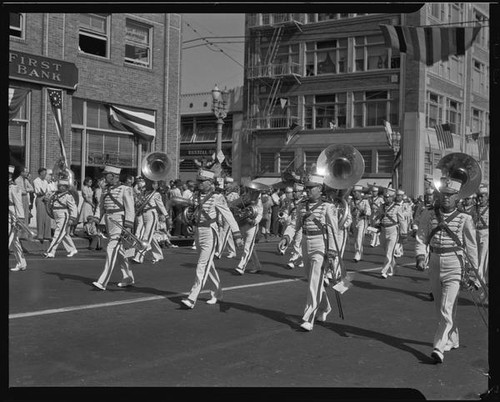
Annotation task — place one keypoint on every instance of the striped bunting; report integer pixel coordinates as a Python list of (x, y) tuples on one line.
[(16, 99), (139, 122), (483, 147), (55, 96), (429, 44), (444, 137)]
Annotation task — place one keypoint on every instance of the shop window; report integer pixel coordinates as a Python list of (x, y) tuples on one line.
[(385, 159), (267, 162), (367, 156), (94, 34), (16, 25), (138, 44)]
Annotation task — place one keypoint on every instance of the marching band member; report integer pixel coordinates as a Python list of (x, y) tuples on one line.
[(207, 206), (249, 230), (445, 230), (360, 213), (318, 222), (139, 190), (117, 202), (16, 211), (482, 219), (390, 217), (403, 225), (376, 201), (152, 210), (225, 234), (65, 215)]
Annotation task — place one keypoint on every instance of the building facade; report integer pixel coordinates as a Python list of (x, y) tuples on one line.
[(126, 65), (322, 79), (198, 140)]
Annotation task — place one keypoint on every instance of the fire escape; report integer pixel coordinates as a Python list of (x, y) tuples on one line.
[(267, 71)]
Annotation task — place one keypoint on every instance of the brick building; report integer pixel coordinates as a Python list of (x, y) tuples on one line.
[(130, 62), (329, 79)]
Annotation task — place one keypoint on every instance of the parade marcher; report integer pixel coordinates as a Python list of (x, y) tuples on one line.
[(376, 201), (152, 210), (207, 206), (390, 217), (318, 222), (65, 214), (22, 181), (403, 225), (276, 228), (43, 220), (466, 204), (88, 205), (265, 223), (250, 229), (138, 191), (117, 203), (445, 230), (481, 217), (16, 212), (360, 213), (225, 234)]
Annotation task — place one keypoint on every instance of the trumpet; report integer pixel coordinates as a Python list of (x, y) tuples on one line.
[(20, 225), (133, 240)]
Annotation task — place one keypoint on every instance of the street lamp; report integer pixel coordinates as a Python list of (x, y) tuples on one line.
[(219, 103), (396, 146)]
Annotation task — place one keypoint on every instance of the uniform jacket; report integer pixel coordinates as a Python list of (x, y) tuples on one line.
[(155, 202), (117, 199), (16, 201), (65, 200)]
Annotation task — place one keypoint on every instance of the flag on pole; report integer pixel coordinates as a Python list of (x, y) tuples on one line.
[(397, 161), (483, 146), (283, 102), (429, 44), (55, 96), (471, 137), (16, 99), (388, 132), (444, 137), (139, 122), (292, 131)]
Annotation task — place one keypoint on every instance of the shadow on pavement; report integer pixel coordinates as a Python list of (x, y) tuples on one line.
[(422, 295)]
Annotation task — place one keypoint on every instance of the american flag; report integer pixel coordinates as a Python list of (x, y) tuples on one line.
[(55, 96), (444, 137), (139, 122), (293, 129), (483, 147), (16, 99)]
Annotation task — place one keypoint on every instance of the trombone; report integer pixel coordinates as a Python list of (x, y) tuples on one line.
[(128, 236), (20, 225)]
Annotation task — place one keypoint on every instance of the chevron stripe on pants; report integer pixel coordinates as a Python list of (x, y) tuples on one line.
[(359, 234), (61, 234), (226, 239), (16, 243), (150, 219), (389, 240), (206, 242), (249, 233), (482, 253)]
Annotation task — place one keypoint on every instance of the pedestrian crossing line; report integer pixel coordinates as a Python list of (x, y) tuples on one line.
[(137, 300)]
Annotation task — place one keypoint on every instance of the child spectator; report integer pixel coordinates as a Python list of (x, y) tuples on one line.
[(93, 233)]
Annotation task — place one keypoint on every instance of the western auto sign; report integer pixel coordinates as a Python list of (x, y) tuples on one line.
[(42, 70)]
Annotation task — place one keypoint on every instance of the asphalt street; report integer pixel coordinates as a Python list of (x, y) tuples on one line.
[(65, 333)]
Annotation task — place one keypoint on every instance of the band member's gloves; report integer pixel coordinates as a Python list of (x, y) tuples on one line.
[(420, 262), (162, 218), (238, 242)]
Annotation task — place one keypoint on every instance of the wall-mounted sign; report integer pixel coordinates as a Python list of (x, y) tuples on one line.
[(42, 70)]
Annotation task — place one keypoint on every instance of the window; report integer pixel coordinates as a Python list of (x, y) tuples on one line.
[(367, 156), (137, 44), (435, 9), (204, 129), (477, 121), (267, 162), (456, 12), (454, 116), (18, 134), (321, 110), (94, 34), (16, 25), (431, 159), (371, 53), (454, 68), (371, 108), (385, 159), (274, 162), (479, 77), (326, 57), (310, 158), (434, 112), (482, 38)]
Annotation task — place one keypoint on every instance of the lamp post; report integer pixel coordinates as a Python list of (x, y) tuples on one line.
[(219, 104), (396, 146)]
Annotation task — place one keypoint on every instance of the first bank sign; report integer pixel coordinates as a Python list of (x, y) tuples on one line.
[(42, 70)]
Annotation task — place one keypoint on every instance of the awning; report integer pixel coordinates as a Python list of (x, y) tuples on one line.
[(139, 122), (269, 181), (432, 142), (377, 181)]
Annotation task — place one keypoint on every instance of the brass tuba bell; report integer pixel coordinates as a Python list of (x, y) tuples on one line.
[(342, 165), (459, 166), (156, 165)]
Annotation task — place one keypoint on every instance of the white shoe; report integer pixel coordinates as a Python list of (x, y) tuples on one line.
[(239, 270), (98, 286), (437, 356), (231, 255), (174, 246), (193, 248), (72, 253), (188, 303), (126, 282), (290, 265), (321, 317), (306, 326), (214, 299), (48, 255), (136, 261), (18, 268), (390, 274), (450, 346), (383, 275), (301, 265), (155, 261)]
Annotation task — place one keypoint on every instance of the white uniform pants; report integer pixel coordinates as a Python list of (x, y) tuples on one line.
[(226, 239), (359, 234), (317, 298), (389, 240), (375, 239), (15, 243), (445, 275), (249, 234), (114, 251), (482, 253), (61, 234), (206, 239), (296, 256), (150, 219)]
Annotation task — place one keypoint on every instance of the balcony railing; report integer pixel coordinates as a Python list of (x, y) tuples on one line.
[(274, 70), (270, 19), (272, 122)]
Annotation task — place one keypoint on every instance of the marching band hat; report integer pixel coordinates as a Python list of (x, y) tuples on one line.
[(229, 179), (400, 192), (374, 188), (390, 191), (139, 177), (357, 187), (112, 169), (49, 171), (63, 182), (256, 186), (205, 174), (429, 191), (482, 189), (314, 180), (449, 185), (298, 187), (11, 169)]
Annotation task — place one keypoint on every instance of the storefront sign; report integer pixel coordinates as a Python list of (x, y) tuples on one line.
[(193, 153), (42, 70)]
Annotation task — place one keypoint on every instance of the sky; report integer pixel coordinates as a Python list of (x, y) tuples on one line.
[(204, 65)]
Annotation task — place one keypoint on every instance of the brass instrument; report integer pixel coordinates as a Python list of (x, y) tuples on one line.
[(242, 210), (61, 172), (130, 238), (20, 225), (461, 166), (343, 166), (187, 216)]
